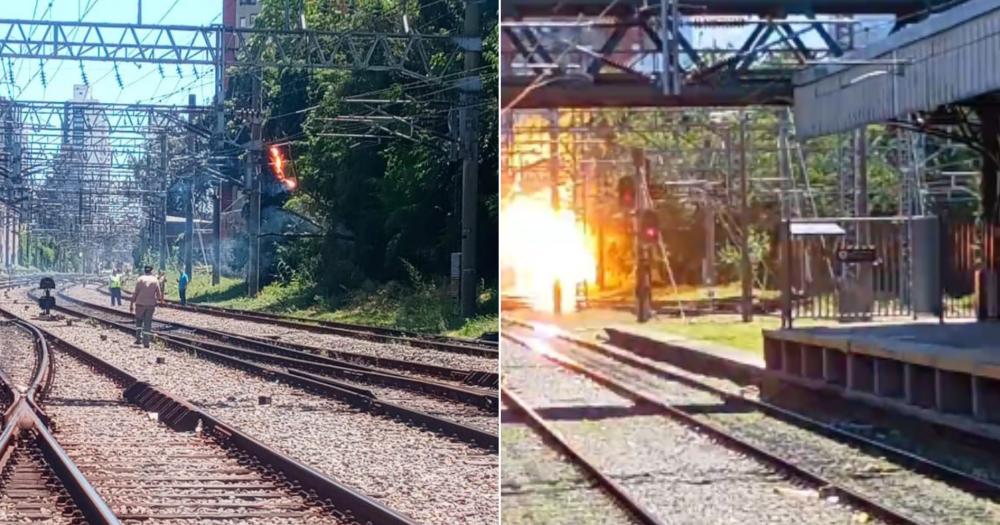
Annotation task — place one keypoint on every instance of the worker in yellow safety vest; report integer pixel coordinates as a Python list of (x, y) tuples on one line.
[(115, 286)]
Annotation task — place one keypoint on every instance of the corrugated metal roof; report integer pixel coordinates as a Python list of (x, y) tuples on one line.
[(948, 58)]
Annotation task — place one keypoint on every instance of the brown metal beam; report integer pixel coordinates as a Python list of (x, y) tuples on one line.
[(629, 92)]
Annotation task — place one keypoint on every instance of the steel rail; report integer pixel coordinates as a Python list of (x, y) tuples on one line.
[(553, 436), (376, 372), (324, 386), (965, 481), (357, 331), (25, 415), (860, 501), (181, 415)]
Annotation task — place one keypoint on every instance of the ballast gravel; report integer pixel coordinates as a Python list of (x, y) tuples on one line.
[(149, 473), (431, 478), (680, 475), (17, 355), (303, 337)]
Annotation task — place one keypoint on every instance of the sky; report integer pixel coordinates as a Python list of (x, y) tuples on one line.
[(142, 82)]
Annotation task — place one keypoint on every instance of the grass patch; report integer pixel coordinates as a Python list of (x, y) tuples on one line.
[(729, 330), (685, 292), (423, 308)]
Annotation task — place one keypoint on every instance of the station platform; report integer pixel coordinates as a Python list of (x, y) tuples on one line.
[(950, 369), (942, 374)]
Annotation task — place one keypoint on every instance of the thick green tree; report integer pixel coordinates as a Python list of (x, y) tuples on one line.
[(382, 204)]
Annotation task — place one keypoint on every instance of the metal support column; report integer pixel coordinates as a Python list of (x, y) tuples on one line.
[(643, 270), (746, 274), (189, 203), (217, 143), (165, 186), (554, 198), (252, 186), (470, 160)]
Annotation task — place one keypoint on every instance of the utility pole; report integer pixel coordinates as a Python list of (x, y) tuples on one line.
[(189, 202), (746, 275), (217, 234), (643, 273), (554, 198), (469, 141), (217, 144), (166, 201), (139, 16), (252, 186)]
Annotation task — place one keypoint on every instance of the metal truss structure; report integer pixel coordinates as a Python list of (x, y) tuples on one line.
[(628, 54), (73, 170), (81, 172), (408, 53)]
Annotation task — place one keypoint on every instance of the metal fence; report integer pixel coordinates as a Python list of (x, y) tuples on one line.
[(961, 256), (911, 266), (848, 268)]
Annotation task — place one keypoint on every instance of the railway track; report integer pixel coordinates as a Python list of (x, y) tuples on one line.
[(458, 345), (137, 470), (467, 412), (430, 476), (894, 485), (38, 480), (462, 370)]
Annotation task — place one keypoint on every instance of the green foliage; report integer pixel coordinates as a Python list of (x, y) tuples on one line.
[(759, 246), (378, 203), (419, 304)]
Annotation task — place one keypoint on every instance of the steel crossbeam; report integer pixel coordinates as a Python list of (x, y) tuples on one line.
[(589, 53), (409, 53)]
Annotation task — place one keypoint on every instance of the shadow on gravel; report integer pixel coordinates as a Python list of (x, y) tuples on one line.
[(583, 413)]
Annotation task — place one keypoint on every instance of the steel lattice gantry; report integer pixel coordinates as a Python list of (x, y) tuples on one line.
[(80, 172), (174, 44), (585, 53), (411, 55)]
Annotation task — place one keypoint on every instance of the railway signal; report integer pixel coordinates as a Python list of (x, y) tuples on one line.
[(649, 227), (626, 192)]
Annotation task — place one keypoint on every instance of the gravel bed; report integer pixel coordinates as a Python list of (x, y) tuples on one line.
[(434, 479), (678, 474), (919, 496), (297, 336), (438, 406), (541, 487), (136, 462), (44, 507), (17, 355)]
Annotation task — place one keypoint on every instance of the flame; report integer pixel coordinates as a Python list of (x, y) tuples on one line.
[(278, 162), (542, 247)]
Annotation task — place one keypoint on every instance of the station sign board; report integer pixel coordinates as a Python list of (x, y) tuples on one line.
[(857, 254)]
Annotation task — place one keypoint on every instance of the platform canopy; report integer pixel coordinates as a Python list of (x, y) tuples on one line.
[(816, 228), (949, 58)]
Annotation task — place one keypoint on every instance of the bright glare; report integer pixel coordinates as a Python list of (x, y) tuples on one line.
[(290, 183), (541, 247)]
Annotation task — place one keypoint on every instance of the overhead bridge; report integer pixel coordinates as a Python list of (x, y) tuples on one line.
[(627, 53)]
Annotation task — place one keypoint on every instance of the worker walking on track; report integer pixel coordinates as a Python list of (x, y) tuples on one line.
[(182, 286), (115, 287), (145, 297)]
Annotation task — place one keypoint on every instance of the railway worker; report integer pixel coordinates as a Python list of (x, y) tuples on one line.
[(182, 286), (145, 297), (115, 287)]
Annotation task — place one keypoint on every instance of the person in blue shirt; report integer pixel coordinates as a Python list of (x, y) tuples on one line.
[(182, 284)]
